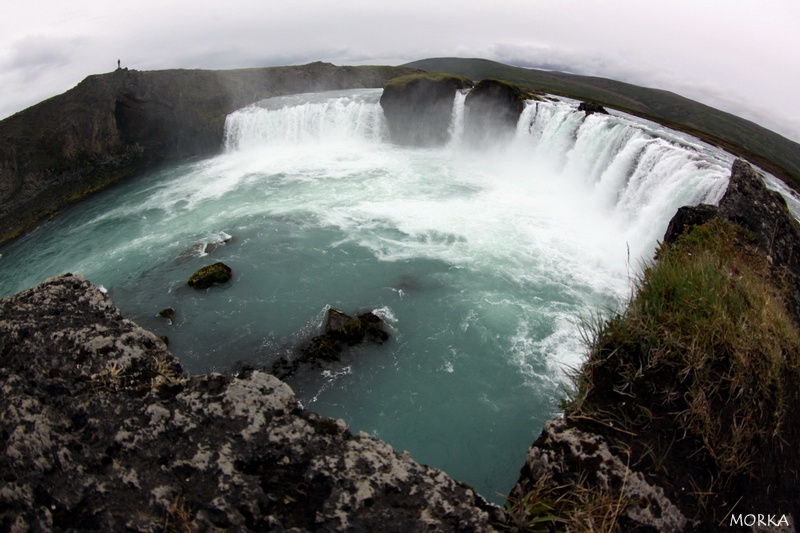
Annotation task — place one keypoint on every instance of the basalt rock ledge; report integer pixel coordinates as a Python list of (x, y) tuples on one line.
[(101, 431)]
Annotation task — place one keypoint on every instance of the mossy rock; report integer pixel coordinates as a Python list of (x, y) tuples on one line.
[(321, 348), (208, 275), (343, 328), (340, 329), (453, 81)]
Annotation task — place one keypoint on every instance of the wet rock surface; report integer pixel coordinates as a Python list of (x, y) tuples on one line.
[(341, 330), (589, 107), (492, 111), (209, 275), (101, 431)]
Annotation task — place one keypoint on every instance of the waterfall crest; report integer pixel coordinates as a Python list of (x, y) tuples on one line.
[(339, 116), (635, 171)]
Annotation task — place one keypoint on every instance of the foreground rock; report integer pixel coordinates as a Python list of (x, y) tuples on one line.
[(418, 107), (112, 126), (102, 432)]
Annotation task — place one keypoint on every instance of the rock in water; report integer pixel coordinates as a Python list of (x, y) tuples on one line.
[(590, 107), (208, 275), (340, 328), (372, 325), (101, 431), (343, 328)]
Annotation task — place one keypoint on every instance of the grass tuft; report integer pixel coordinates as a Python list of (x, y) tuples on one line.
[(694, 382), (707, 337)]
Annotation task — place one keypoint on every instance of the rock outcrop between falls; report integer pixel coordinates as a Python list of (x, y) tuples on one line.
[(492, 110), (635, 439), (112, 126), (418, 107), (101, 431)]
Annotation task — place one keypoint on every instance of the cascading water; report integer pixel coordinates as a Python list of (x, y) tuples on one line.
[(482, 261)]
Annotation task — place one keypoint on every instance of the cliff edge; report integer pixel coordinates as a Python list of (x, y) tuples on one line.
[(112, 126), (101, 431), (685, 415)]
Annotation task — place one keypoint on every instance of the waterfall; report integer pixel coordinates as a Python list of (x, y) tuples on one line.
[(635, 170), (343, 116), (456, 128)]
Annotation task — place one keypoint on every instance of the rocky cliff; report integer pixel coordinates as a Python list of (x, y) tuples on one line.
[(111, 126), (101, 431), (419, 109), (686, 411)]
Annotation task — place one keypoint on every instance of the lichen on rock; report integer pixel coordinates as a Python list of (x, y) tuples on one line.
[(101, 431)]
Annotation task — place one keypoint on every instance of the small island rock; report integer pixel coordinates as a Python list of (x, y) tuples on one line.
[(205, 277), (590, 107)]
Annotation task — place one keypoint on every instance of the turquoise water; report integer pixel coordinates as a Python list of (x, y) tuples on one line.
[(482, 260)]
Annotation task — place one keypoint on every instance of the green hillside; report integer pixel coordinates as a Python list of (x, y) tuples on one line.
[(764, 148)]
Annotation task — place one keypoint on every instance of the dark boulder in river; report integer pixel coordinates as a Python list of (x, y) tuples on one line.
[(340, 328), (208, 275), (590, 107)]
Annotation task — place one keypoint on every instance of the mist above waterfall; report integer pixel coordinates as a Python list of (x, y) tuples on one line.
[(482, 255)]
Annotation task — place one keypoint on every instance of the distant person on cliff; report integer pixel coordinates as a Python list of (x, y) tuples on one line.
[(118, 64)]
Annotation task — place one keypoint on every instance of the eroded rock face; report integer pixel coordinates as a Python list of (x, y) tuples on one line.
[(418, 107), (565, 454), (492, 110), (101, 431)]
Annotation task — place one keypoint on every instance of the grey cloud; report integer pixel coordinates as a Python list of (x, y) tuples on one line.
[(36, 52)]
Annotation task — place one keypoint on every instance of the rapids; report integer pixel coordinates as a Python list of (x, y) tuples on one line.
[(484, 261)]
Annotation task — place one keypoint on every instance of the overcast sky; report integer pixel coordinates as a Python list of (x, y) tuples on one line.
[(737, 55)]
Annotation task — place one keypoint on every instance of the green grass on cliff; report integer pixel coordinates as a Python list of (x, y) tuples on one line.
[(707, 339), (403, 81), (695, 383)]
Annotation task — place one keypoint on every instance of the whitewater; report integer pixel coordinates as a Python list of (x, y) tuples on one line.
[(484, 260)]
